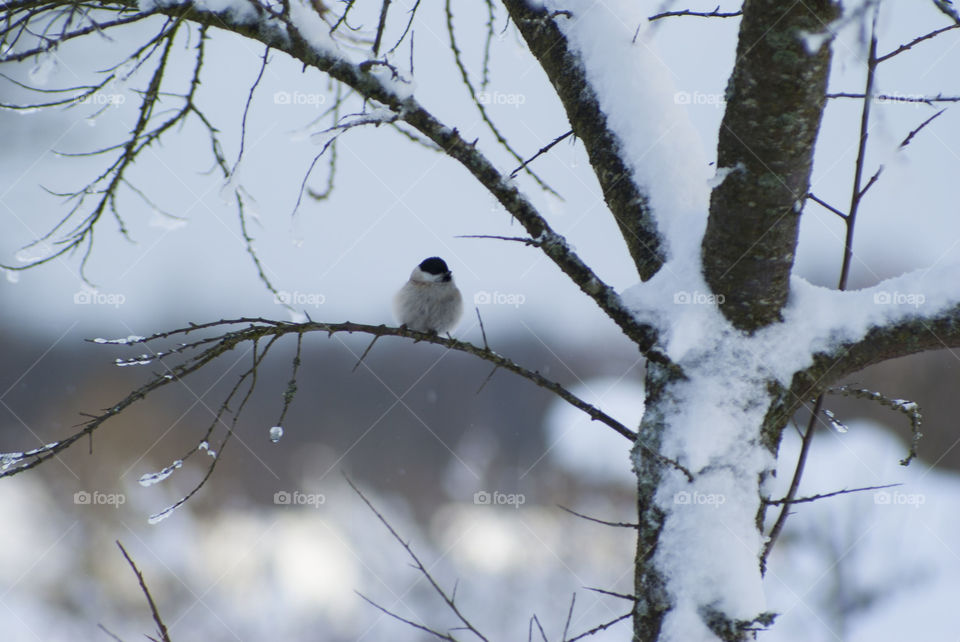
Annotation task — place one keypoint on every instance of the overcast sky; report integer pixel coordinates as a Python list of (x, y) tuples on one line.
[(396, 203)]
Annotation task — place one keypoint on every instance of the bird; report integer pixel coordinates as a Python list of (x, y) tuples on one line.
[(430, 300)]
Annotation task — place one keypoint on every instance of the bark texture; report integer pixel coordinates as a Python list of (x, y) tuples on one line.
[(629, 204), (775, 99)]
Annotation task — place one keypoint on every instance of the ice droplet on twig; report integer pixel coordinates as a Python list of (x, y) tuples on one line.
[(156, 518), (9, 459), (834, 422), (133, 338), (276, 433), (154, 478)]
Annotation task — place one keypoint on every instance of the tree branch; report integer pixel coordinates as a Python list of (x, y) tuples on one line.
[(203, 351), (628, 203), (364, 78), (161, 627), (897, 339), (774, 105)]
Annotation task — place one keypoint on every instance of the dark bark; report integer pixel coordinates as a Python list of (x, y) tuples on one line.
[(650, 585), (775, 100), (911, 336), (628, 203)]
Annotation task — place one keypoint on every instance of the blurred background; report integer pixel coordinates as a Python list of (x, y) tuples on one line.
[(276, 545)]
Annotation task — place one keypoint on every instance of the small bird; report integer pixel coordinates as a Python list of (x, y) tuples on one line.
[(429, 301)]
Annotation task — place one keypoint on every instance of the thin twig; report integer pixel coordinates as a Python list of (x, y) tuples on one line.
[(419, 565), (915, 42), (599, 521), (622, 596), (543, 150), (813, 197), (794, 484), (857, 194), (364, 355), (380, 27), (601, 627), (162, 628), (813, 498), (716, 13), (465, 77), (566, 626), (416, 625), (518, 239)]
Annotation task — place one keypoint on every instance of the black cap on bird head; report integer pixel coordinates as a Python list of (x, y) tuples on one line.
[(435, 265)]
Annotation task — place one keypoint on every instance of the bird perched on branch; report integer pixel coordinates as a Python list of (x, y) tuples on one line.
[(429, 301)]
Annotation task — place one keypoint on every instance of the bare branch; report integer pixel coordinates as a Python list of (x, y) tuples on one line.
[(543, 150), (895, 98), (857, 195), (794, 484), (825, 205), (598, 521), (622, 596), (210, 348), (716, 13), (601, 627), (419, 565), (465, 77), (416, 625), (384, 7), (161, 627), (813, 498), (908, 408), (916, 41)]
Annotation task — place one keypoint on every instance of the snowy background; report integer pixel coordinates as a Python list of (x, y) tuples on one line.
[(233, 564)]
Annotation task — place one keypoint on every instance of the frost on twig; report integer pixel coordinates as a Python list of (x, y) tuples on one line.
[(909, 409), (255, 338)]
